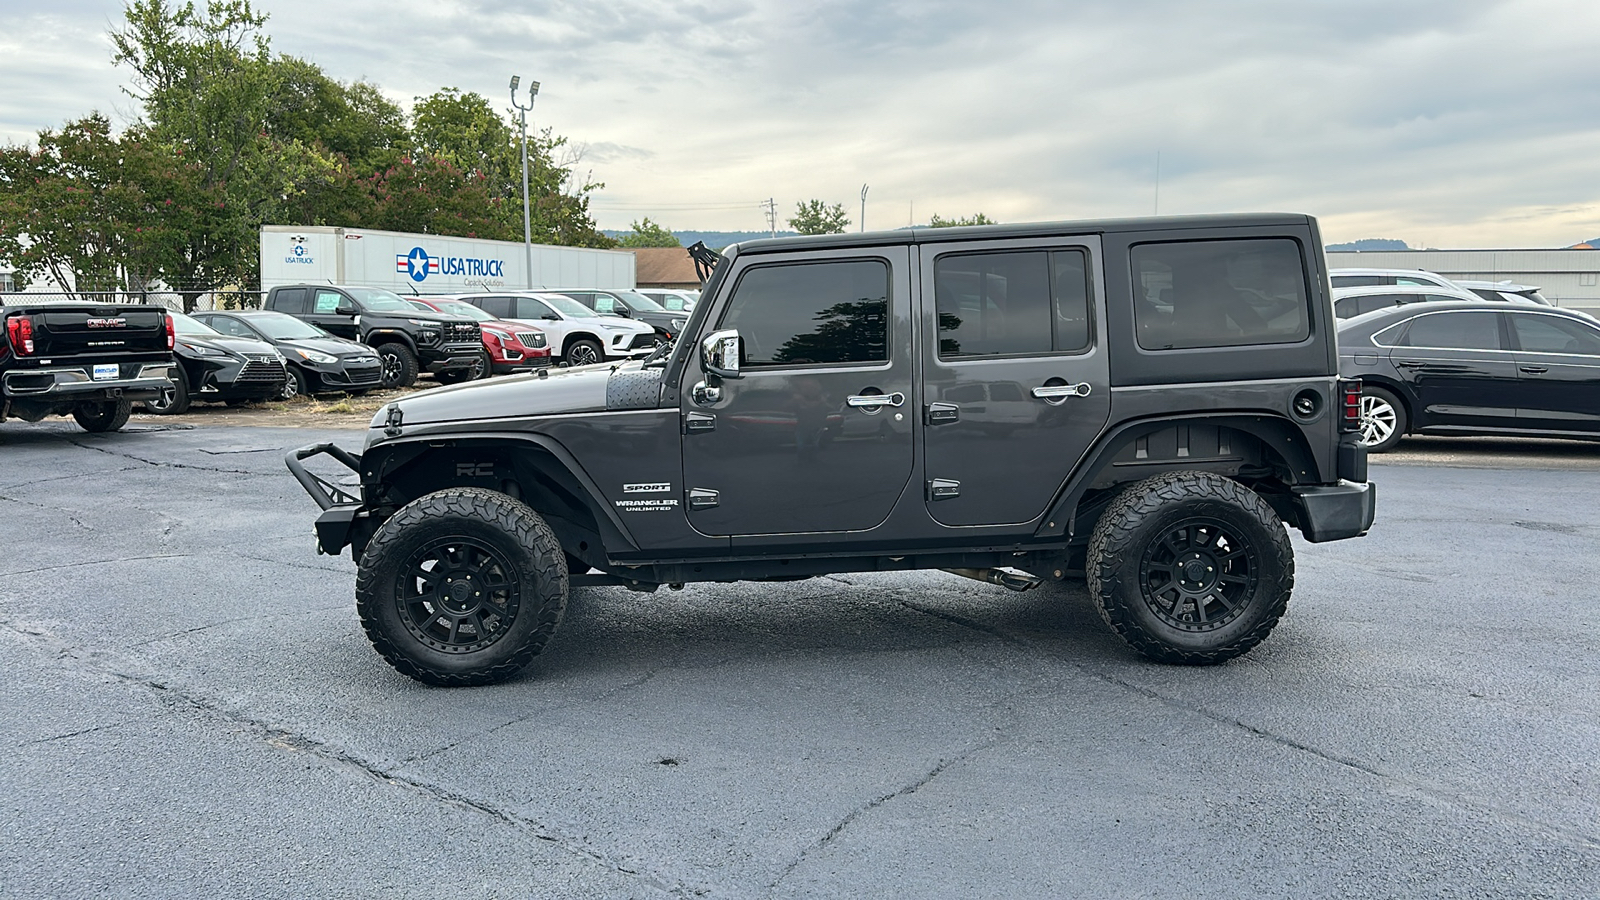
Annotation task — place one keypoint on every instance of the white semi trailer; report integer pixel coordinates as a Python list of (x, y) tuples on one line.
[(428, 263)]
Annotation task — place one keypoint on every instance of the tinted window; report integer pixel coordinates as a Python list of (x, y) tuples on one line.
[(1548, 334), (994, 304), (835, 312), (1455, 331), (499, 307), (230, 325), (1219, 294), (1361, 280), (290, 300)]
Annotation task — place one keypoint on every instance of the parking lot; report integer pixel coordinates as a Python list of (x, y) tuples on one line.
[(189, 707)]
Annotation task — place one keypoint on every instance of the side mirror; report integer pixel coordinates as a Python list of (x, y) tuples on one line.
[(719, 353), (345, 309), (622, 311), (551, 317)]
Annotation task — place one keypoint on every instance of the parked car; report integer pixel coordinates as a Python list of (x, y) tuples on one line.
[(577, 334), (672, 300), (633, 305), (318, 362), (87, 360), (1343, 278), (1354, 301), (408, 340), (1473, 368), (512, 346), (214, 367), (1506, 290)]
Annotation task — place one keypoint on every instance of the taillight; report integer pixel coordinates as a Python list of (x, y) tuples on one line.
[(172, 335), (19, 330), (1349, 404)]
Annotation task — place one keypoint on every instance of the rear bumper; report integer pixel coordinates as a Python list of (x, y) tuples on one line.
[(134, 381), (1335, 512)]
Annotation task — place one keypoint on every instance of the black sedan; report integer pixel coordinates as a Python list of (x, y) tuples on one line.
[(217, 367), (317, 360), (1473, 369)]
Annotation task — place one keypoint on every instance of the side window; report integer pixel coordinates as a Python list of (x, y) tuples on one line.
[(1548, 334), (1219, 293), (1011, 303), (812, 313), (1455, 331), (290, 300), (230, 325), (1361, 281), (499, 307), (1411, 279), (531, 308), (1444, 298), (328, 302), (603, 303)]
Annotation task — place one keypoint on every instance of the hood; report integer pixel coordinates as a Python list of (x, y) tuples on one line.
[(542, 393), (227, 342), (332, 346)]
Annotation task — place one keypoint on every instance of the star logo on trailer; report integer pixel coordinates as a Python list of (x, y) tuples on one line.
[(416, 264)]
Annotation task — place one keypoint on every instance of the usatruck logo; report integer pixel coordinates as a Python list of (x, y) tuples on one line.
[(418, 265)]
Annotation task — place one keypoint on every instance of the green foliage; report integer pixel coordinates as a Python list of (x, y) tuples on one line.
[(649, 234), (977, 219), (816, 217)]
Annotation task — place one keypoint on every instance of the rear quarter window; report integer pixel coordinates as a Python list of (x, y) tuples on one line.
[(1226, 293)]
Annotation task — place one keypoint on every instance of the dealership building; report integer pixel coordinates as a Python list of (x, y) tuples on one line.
[(1569, 277)]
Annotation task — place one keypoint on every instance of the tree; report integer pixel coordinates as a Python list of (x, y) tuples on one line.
[(816, 217), (976, 219), (649, 234)]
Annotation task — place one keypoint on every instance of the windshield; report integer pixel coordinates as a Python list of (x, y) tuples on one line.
[(569, 307), (285, 328), (639, 302), (182, 324), (462, 308), (380, 301)]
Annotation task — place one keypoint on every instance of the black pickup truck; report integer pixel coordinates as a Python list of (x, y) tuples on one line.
[(91, 361)]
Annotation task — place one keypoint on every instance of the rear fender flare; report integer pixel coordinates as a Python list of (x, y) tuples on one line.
[(1276, 434)]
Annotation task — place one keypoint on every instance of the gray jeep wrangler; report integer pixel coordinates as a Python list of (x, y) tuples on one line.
[(1143, 403)]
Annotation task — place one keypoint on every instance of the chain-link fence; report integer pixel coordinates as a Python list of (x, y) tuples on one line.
[(172, 300)]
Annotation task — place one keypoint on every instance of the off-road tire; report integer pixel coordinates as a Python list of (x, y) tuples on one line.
[(1152, 520), (1380, 408), (106, 415), (399, 364), (583, 352), (522, 553), (175, 403)]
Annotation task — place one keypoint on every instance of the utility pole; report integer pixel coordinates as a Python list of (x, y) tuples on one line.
[(863, 207), (771, 209), (527, 225)]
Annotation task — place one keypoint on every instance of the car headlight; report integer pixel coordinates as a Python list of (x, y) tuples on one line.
[(204, 351), (421, 324), (314, 356)]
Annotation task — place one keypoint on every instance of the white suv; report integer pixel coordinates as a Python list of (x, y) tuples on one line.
[(578, 335), (1349, 278)]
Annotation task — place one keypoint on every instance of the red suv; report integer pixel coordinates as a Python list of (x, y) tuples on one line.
[(512, 346)]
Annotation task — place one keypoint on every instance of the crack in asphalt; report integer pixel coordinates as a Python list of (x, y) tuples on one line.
[(1435, 792), (70, 734), (95, 562), (292, 565), (178, 634), (39, 481), (904, 791), (179, 699), (156, 462), (70, 517)]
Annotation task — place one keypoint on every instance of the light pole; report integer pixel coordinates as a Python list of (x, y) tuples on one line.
[(863, 207), (527, 227)]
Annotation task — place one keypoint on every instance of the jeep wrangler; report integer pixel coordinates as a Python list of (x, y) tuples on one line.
[(1139, 403)]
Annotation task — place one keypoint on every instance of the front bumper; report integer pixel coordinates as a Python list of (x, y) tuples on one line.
[(450, 356), (1335, 512), (134, 381), (342, 514)]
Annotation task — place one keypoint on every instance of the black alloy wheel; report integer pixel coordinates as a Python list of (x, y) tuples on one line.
[(1199, 575), (399, 365), (456, 594)]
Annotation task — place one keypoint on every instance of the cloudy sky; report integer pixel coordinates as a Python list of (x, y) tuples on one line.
[(1444, 123)]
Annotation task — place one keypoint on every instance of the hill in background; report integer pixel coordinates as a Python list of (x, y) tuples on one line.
[(1368, 244)]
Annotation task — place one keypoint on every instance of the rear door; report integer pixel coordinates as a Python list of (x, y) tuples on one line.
[(1558, 367), (816, 435), (1015, 380), (1458, 369)]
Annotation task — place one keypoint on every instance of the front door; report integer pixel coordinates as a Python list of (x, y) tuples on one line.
[(1016, 386), (325, 305), (1558, 369), (815, 436)]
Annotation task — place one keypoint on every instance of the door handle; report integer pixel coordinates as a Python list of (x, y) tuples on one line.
[(1533, 370), (942, 413), (875, 401), (1062, 391), (699, 422)]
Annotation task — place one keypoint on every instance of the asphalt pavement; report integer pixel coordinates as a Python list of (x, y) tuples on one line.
[(188, 707)]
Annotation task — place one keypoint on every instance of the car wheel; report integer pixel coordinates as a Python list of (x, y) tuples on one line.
[(1383, 419), (462, 586), (174, 399), (1190, 567), (296, 385), (584, 353), (106, 415), (399, 365)]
